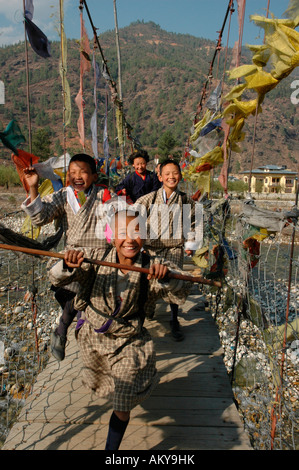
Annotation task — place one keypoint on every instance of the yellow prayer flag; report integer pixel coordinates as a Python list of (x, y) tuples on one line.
[(235, 92), (27, 228), (200, 125), (262, 82), (214, 157), (244, 108), (242, 71), (261, 54)]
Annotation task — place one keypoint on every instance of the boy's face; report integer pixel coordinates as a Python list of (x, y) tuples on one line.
[(127, 240), (80, 176), (139, 165), (170, 176)]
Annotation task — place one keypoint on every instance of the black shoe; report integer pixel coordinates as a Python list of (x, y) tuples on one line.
[(176, 332), (58, 346)]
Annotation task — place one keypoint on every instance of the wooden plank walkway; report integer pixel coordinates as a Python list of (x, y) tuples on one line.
[(191, 408)]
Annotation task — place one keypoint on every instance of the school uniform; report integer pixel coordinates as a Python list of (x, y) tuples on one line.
[(137, 185), (117, 350)]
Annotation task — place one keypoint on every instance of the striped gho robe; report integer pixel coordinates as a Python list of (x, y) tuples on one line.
[(165, 228), (117, 350), (81, 225)]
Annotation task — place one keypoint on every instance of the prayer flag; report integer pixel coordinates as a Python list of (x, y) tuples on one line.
[(29, 9), (63, 71), (23, 160), (84, 67), (94, 121), (39, 42), (12, 137)]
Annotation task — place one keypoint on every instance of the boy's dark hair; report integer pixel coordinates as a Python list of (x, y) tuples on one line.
[(83, 157), (167, 162), (139, 154)]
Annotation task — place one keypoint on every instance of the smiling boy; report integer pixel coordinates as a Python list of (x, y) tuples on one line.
[(76, 206), (117, 350), (141, 181), (168, 238)]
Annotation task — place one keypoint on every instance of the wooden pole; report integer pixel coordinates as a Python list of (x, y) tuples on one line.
[(27, 84), (118, 51), (61, 18), (121, 146), (52, 254)]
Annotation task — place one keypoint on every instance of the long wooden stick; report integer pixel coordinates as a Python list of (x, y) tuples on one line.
[(32, 251)]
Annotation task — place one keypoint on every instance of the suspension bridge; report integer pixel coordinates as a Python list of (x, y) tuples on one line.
[(192, 407)]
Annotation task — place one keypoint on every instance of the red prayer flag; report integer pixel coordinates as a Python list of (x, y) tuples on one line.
[(23, 160), (203, 167), (85, 66)]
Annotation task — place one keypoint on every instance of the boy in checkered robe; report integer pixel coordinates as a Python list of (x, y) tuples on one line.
[(77, 207), (175, 225), (117, 350)]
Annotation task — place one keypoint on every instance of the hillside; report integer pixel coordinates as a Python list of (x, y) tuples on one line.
[(162, 79)]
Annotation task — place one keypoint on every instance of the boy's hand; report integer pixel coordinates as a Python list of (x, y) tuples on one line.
[(31, 176), (73, 258), (189, 252), (158, 271), (32, 179)]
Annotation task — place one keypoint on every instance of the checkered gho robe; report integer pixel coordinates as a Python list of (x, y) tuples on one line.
[(83, 229), (168, 240), (120, 362)]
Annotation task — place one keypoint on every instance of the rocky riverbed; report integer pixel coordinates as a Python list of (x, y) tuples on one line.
[(25, 339), (254, 368), (28, 313)]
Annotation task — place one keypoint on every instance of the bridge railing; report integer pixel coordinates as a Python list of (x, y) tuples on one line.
[(256, 312), (257, 315), (28, 311)]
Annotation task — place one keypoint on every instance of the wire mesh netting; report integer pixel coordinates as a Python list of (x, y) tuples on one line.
[(257, 315), (28, 311), (256, 312)]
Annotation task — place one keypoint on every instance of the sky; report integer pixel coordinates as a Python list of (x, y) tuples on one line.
[(200, 18)]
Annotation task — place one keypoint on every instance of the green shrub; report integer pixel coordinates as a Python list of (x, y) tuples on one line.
[(9, 176)]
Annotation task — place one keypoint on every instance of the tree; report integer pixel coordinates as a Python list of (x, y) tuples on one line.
[(41, 144), (166, 143), (237, 166), (58, 147)]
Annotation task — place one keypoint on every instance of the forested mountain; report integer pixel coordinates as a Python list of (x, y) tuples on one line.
[(162, 80)]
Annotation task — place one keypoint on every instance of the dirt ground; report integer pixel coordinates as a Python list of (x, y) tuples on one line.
[(11, 199)]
